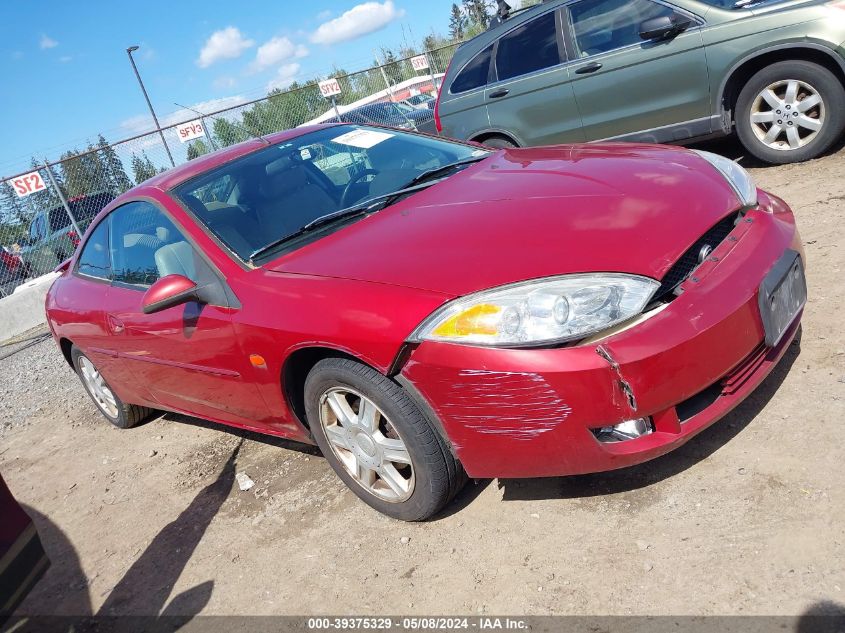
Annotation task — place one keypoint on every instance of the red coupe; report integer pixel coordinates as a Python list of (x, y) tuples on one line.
[(424, 310)]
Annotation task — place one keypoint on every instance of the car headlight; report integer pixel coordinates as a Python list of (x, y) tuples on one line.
[(738, 178), (551, 310)]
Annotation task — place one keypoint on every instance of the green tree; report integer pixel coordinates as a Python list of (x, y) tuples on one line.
[(478, 16), (115, 171), (227, 133), (457, 24), (197, 148), (142, 168)]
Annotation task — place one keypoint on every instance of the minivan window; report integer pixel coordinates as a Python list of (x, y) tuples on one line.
[(474, 75), (600, 26), (528, 48)]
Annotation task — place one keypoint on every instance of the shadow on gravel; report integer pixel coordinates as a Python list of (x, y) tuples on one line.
[(147, 584), (655, 471), (823, 617)]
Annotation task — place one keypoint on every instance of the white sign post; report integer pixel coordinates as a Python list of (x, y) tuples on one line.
[(28, 184), (330, 88), (420, 62), (190, 130)]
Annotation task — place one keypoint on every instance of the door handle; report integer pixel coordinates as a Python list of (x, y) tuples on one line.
[(115, 324), (499, 93), (589, 68)]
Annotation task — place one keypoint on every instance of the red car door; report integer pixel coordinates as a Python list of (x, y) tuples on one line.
[(187, 357)]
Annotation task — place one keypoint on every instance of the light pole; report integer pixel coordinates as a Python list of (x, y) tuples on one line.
[(129, 52)]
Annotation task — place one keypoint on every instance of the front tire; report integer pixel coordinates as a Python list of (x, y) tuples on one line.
[(122, 415), (378, 441), (790, 112)]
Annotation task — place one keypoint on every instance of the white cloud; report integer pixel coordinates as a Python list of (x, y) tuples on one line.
[(361, 19), (47, 42), (143, 122), (224, 83), (276, 51), (284, 77), (227, 43)]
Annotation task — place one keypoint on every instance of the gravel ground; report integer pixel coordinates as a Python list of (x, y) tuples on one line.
[(746, 519)]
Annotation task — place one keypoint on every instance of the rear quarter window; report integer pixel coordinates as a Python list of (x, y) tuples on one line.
[(474, 74)]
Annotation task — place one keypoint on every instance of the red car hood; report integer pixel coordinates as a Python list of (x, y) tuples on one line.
[(530, 213)]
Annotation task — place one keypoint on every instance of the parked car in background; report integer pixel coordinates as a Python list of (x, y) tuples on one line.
[(424, 309), (52, 237), (22, 557), (655, 71), (396, 115), (421, 101), (11, 269)]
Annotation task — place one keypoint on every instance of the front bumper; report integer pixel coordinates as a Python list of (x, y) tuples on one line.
[(529, 413)]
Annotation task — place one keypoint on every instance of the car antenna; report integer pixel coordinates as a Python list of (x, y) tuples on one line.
[(237, 125)]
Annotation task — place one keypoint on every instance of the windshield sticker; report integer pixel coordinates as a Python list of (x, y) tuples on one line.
[(305, 153), (365, 139)]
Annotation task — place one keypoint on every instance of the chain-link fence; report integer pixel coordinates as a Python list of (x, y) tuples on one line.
[(45, 211)]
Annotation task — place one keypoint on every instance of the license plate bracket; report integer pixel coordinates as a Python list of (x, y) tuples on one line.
[(782, 295)]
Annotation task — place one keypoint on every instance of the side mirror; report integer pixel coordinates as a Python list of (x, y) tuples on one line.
[(169, 291), (664, 27)]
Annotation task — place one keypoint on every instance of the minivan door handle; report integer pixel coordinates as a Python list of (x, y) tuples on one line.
[(589, 68), (499, 93)]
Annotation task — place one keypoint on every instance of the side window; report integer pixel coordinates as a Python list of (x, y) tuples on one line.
[(94, 259), (474, 75), (528, 48), (58, 220), (146, 245), (600, 26), (36, 229)]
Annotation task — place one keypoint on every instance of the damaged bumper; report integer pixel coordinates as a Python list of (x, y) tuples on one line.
[(533, 412)]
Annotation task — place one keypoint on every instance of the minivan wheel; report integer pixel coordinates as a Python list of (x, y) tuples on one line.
[(378, 441), (122, 415), (790, 112), (499, 142)]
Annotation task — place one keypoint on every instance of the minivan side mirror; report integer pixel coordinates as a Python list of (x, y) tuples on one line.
[(169, 291), (664, 27)]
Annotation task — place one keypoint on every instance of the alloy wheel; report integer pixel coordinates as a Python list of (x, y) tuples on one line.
[(787, 115), (97, 387), (367, 444)]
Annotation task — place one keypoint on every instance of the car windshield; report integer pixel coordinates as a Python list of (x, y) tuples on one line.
[(258, 199)]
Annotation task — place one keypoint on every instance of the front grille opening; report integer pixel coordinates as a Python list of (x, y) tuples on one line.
[(688, 262), (691, 407)]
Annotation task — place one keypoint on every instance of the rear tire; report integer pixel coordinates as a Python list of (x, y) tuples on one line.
[(122, 415), (774, 121), (499, 142), (397, 463)]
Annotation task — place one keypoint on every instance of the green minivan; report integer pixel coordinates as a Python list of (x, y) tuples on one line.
[(654, 71)]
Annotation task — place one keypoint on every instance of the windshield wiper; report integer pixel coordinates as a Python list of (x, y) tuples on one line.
[(444, 169), (370, 205)]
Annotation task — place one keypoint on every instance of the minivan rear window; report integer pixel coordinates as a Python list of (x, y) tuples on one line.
[(474, 75)]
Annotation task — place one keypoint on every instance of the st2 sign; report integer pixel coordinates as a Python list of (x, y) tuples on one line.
[(420, 62), (329, 88), (28, 183), (190, 130)]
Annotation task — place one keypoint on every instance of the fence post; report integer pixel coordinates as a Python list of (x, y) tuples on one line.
[(62, 198), (390, 92), (208, 134), (431, 70)]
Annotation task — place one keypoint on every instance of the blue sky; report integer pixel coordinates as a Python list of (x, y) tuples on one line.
[(66, 76)]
